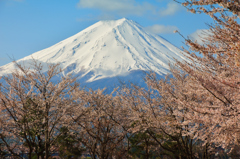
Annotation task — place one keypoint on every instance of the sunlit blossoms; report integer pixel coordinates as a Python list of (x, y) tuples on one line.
[(192, 113)]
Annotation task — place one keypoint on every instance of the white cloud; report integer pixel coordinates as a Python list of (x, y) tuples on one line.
[(122, 7), (199, 35), (171, 9), (161, 29)]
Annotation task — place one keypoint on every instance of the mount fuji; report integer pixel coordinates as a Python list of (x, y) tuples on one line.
[(107, 52)]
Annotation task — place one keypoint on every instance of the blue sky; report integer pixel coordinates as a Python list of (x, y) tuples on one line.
[(27, 26)]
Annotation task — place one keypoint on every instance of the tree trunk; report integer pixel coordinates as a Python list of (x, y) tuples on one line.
[(46, 137)]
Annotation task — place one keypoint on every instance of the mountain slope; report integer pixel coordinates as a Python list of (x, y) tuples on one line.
[(108, 49)]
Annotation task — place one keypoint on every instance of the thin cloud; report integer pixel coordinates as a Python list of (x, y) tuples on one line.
[(112, 9), (121, 7), (95, 18), (19, 0), (200, 35), (172, 8), (161, 29), (3, 59), (106, 17)]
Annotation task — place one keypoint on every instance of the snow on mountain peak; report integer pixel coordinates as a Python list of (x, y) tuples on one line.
[(108, 49)]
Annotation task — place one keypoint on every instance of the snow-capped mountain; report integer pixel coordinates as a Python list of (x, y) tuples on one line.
[(108, 49)]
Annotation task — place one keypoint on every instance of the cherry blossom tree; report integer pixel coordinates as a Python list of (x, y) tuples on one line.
[(156, 112), (213, 77), (101, 123), (32, 109)]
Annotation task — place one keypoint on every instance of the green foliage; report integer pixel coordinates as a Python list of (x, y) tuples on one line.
[(142, 146), (68, 144), (2, 152), (33, 117)]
